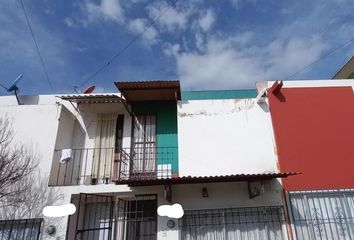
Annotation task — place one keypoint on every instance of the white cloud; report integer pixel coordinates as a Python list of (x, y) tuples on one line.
[(231, 62), (286, 57), (139, 25), (199, 41), (221, 60), (106, 9), (171, 49), (173, 19), (70, 22), (207, 20), (239, 3)]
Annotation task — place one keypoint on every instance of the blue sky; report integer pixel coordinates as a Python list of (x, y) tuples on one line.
[(225, 44)]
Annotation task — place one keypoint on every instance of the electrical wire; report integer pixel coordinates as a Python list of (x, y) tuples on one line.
[(35, 43), (321, 58), (122, 50), (3, 86)]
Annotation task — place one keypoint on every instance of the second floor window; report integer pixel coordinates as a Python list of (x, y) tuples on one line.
[(144, 145), (104, 153)]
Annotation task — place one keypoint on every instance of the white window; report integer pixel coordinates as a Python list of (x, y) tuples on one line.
[(323, 214)]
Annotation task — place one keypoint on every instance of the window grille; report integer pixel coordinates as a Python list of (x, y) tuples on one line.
[(100, 217), (251, 223), (323, 214), (137, 218), (24, 229), (93, 218)]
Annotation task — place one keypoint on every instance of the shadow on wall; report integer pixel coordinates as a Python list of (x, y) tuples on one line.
[(24, 190), (29, 100), (264, 106), (90, 115), (280, 96)]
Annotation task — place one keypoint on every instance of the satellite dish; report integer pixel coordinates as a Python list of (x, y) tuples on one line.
[(89, 90), (14, 87)]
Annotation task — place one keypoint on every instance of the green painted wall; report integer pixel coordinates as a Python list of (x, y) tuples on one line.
[(219, 94), (167, 139)]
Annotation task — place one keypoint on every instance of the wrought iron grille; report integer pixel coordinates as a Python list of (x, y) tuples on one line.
[(93, 219), (104, 165), (136, 219), (147, 162), (85, 166), (100, 217), (323, 214), (251, 223), (24, 229)]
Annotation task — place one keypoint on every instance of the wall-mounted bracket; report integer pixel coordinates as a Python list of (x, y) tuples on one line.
[(261, 97), (168, 193), (262, 87), (277, 85), (129, 110), (75, 107)]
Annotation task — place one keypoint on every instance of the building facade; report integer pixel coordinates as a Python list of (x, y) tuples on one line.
[(275, 162)]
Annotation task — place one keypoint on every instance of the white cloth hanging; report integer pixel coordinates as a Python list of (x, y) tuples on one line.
[(65, 155)]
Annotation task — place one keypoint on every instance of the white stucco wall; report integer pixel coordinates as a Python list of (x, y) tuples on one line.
[(34, 125), (221, 195), (43, 124), (218, 137)]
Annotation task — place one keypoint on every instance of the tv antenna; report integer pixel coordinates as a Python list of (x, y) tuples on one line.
[(13, 88)]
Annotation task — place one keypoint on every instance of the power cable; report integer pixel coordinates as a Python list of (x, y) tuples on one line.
[(321, 58), (122, 50), (35, 43), (3, 86)]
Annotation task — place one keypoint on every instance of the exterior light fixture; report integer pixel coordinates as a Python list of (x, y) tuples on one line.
[(59, 211), (50, 230), (205, 193), (171, 224)]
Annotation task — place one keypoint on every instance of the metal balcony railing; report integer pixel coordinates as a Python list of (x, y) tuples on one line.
[(104, 165), (147, 162)]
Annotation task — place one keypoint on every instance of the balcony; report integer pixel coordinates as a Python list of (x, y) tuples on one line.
[(90, 166)]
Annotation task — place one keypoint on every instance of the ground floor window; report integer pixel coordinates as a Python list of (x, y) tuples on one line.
[(136, 218), (234, 223), (107, 217), (26, 229), (323, 214), (93, 219)]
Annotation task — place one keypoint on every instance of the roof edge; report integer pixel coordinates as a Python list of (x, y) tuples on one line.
[(206, 179)]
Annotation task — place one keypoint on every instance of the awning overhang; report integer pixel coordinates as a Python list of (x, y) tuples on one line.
[(93, 98), (205, 179), (161, 90)]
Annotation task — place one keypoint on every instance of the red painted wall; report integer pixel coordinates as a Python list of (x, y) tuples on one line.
[(314, 133)]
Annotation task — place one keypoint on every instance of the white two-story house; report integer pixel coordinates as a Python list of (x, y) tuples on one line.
[(119, 156)]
